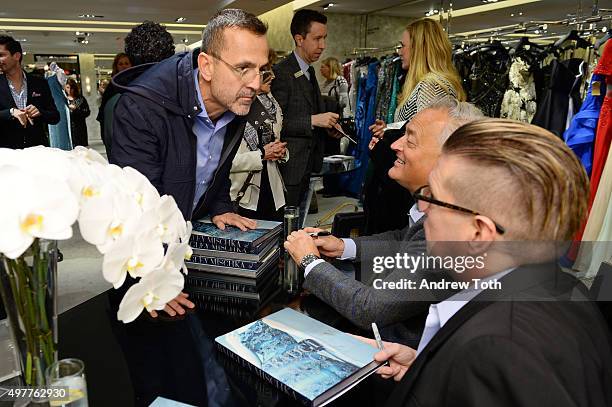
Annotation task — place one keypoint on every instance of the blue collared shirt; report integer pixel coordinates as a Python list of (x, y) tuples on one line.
[(303, 65), (209, 144)]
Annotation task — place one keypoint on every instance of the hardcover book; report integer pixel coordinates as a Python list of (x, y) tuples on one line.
[(258, 254), (270, 260), (203, 279), (205, 235), (312, 362)]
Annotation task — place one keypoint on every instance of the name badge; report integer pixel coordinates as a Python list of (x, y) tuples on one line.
[(298, 74)]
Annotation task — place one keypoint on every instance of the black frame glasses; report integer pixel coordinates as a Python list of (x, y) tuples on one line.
[(418, 196), (243, 73)]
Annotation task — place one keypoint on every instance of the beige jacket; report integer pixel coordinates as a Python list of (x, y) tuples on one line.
[(247, 160)]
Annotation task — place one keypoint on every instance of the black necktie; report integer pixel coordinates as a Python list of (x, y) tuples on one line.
[(316, 92)]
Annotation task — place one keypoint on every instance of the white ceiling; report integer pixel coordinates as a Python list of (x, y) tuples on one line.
[(106, 35), (108, 32)]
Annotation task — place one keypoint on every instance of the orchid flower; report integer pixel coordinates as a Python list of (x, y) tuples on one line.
[(37, 206), (152, 292)]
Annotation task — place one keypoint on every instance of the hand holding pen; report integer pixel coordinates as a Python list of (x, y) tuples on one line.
[(328, 245), (399, 358)]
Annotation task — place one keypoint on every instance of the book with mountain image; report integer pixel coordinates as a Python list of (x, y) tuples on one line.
[(205, 235), (310, 361)]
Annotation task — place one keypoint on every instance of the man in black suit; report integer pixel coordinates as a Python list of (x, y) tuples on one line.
[(297, 92), (507, 193), (26, 104)]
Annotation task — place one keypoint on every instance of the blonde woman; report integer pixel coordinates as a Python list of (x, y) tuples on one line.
[(335, 84), (426, 54)]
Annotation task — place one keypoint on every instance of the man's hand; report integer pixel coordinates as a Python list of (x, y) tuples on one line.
[(378, 128), (325, 120), (299, 244), (329, 246), (176, 306), (275, 150), (21, 116), (32, 111), (400, 358), (230, 218), (373, 143)]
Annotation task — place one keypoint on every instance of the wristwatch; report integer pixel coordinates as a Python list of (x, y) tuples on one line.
[(306, 260)]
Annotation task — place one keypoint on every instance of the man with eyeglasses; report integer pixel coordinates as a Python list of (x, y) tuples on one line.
[(361, 301), (181, 120), (513, 194), (304, 118)]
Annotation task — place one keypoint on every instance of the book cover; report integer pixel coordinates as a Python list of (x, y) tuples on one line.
[(310, 361), (205, 235)]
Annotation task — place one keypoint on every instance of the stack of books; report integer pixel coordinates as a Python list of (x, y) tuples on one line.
[(232, 271)]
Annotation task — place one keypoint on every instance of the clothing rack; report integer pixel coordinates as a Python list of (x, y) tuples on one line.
[(362, 52)]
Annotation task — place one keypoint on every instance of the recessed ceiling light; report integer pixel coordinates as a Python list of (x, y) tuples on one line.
[(512, 15), (90, 16), (521, 13), (180, 19)]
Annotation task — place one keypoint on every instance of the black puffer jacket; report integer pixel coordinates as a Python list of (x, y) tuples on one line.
[(152, 132)]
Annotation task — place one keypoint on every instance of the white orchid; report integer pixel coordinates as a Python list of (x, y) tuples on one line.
[(118, 210), (37, 206), (172, 224), (136, 254), (152, 292)]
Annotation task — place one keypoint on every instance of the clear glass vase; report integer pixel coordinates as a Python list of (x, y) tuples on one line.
[(28, 285)]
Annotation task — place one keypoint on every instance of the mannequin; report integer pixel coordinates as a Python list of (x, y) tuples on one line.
[(59, 134)]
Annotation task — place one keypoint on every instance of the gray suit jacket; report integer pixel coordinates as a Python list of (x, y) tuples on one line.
[(297, 99), (359, 301)]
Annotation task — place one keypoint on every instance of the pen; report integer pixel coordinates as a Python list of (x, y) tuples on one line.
[(379, 341), (321, 233)]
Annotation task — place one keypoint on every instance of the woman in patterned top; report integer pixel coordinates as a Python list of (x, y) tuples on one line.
[(257, 186), (426, 54), (79, 110)]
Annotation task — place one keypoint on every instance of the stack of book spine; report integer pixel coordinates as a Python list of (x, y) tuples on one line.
[(232, 271)]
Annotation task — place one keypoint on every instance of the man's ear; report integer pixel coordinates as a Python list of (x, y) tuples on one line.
[(206, 66), (298, 40), (483, 236)]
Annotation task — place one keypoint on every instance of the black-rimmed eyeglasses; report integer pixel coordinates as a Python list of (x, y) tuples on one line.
[(424, 198), (246, 74)]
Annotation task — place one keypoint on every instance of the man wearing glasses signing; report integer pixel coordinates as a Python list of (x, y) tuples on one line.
[(180, 121)]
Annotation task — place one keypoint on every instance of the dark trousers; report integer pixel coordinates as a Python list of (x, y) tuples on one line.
[(266, 210)]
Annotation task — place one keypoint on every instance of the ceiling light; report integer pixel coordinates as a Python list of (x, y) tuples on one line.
[(521, 13), (90, 16), (328, 5), (489, 1), (82, 33), (605, 29), (512, 15), (431, 13), (180, 20), (484, 8), (185, 40)]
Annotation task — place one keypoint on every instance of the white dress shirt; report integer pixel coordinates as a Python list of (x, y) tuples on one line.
[(441, 313)]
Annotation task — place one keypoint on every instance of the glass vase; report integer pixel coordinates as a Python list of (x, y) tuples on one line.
[(28, 286)]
